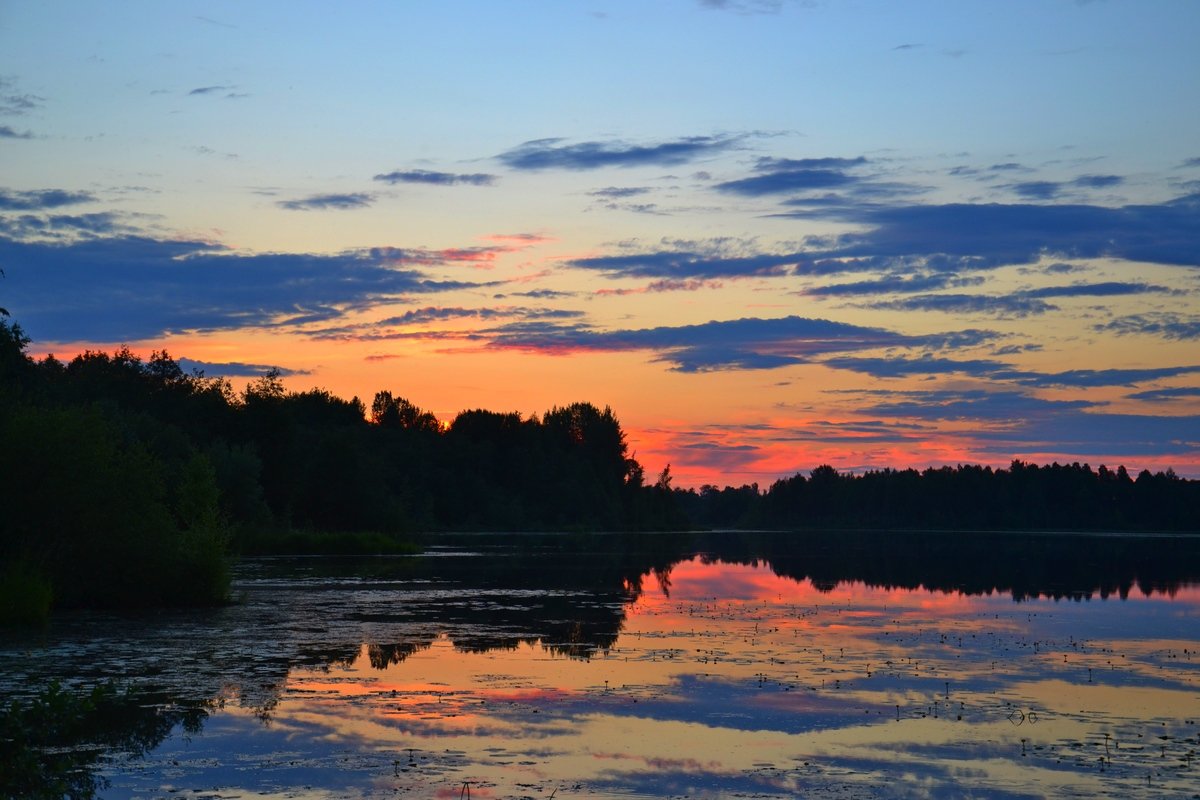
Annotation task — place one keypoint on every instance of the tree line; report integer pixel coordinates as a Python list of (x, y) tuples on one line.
[(1023, 497), (129, 481), (137, 470)]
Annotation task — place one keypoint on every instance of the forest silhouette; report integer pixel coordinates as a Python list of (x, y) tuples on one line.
[(131, 482)]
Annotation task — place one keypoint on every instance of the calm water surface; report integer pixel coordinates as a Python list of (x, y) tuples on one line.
[(716, 665)]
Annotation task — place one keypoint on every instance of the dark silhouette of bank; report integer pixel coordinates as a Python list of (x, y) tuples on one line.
[(1024, 497), (131, 483)]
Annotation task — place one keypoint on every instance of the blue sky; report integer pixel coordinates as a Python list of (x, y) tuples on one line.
[(769, 234)]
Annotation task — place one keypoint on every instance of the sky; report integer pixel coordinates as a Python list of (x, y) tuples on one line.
[(770, 234)]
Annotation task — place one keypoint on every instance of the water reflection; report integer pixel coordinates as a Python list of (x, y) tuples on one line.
[(704, 665)]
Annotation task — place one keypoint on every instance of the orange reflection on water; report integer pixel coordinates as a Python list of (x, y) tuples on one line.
[(731, 679)]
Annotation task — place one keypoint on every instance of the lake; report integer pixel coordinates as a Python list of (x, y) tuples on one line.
[(665, 665)]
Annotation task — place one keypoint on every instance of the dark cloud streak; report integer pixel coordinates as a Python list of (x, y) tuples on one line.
[(129, 288), (321, 202), (539, 154), (431, 177), (747, 343), (41, 199)]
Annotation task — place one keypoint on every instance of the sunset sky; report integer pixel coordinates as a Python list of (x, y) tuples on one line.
[(770, 234)]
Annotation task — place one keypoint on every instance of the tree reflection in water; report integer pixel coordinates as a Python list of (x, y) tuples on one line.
[(766, 642)]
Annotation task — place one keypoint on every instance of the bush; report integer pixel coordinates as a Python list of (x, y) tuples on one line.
[(25, 595)]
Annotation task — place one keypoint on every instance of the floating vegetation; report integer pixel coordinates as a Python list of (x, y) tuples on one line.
[(496, 675)]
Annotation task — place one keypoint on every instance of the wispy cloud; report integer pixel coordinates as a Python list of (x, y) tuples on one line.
[(783, 175), (14, 103), (539, 154), (1105, 289), (1014, 304), (748, 343), (8, 132), (968, 304), (1038, 190), (538, 294), (746, 7), (1050, 190), (236, 369), (892, 284), (1098, 181), (964, 236), (436, 178), (664, 285), (716, 258), (321, 202), (402, 326), (1163, 325), (619, 192), (1167, 395), (1012, 423), (206, 90), (1000, 371), (41, 199), (66, 227), (129, 288)]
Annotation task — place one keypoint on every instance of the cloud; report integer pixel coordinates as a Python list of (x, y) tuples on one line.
[(539, 294), (750, 7), (786, 181), (963, 236), (1016, 304), (807, 175), (1166, 395), (664, 285), (1106, 289), (7, 132), (41, 199), (129, 288), (1091, 378), (204, 150), (324, 201), (1002, 306), (1010, 424), (1191, 162), (1038, 190), (15, 103), (1098, 181), (904, 367), (236, 369), (1163, 325), (748, 343), (65, 227), (436, 178), (899, 367), (218, 23), (892, 284), (540, 154), (389, 328), (619, 192), (1049, 190), (203, 90), (713, 259)]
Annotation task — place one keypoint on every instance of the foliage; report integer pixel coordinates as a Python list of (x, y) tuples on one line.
[(1023, 497), (50, 742), (133, 479), (26, 594)]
